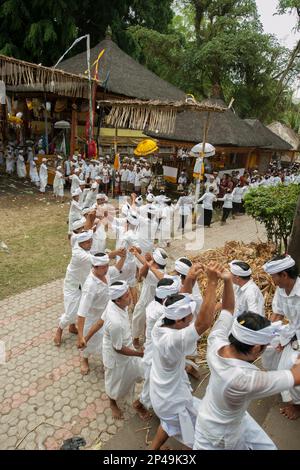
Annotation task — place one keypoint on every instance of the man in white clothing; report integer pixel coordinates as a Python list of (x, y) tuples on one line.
[(286, 304), (207, 199), (248, 297), (93, 302), (233, 346), (43, 175), (158, 261), (173, 338), (122, 363)]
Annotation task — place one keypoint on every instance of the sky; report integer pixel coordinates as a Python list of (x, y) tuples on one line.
[(280, 25)]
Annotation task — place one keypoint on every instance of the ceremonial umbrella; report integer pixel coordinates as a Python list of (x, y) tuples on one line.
[(146, 147)]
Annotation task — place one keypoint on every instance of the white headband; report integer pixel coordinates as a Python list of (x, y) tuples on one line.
[(139, 201), (181, 267), (116, 291), (79, 223), (274, 267), (100, 260), (237, 270), (158, 258), (84, 236), (164, 291), (132, 218), (180, 309), (251, 337), (94, 186), (150, 197), (102, 196)]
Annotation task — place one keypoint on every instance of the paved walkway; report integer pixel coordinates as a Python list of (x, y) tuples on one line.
[(42, 394)]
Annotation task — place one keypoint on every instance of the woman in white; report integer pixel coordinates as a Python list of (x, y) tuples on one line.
[(158, 261), (43, 175), (21, 168), (233, 345), (286, 304), (208, 199), (33, 173), (173, 338), (93, 302), (58, 183), (165, 227), (227, 206), (122, 363)]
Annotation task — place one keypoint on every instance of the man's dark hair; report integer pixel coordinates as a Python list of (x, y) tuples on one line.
[(254, 322), (163, 282), (244, 266), (188, 263), (164, 256), (99, 255), (292, 272), (116, 283)]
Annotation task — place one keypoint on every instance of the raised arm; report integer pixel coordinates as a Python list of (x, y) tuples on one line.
[(228, 294), (207, 311)]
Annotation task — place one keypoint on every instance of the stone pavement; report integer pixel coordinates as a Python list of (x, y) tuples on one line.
[(44, 399)]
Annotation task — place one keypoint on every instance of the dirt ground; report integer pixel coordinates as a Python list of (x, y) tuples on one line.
[(33, 227)]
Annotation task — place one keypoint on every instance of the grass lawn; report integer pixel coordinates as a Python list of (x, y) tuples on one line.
[(34, 228)]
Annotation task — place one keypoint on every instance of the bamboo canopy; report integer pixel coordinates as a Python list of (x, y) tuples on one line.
[(155, 115), (18, 73)]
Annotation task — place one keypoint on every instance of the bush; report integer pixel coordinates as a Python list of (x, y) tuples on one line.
[(274, 206)]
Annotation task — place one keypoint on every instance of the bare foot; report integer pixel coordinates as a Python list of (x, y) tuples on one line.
[(57, 337), (84, 367), (191, 371), (116, 411), (291, 411), (73, 329), (136, 343), (144, 414)]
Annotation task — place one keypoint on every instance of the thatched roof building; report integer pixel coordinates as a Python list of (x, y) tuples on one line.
[(286, 133), (124, 75), (225, 129), (272, 141)]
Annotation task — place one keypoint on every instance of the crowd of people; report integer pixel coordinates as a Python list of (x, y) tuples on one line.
[(143, 320)]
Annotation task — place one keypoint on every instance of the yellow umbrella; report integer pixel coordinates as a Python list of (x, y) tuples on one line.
[(146, 147)]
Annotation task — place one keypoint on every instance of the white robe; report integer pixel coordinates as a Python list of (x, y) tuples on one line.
[(127, 239), (58, 184), (21, 167), (223, 421), (10, 164), (146, 296), (33, 173), (77, 272), (154, 311), (74, 214), (121, 372), (93, 302), (170, 391), (43, 177)]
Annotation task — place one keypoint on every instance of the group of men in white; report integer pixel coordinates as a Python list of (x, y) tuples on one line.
[(170, 313)]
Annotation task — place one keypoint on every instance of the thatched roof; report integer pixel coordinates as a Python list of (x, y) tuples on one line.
[(125, 75), (225, 129), (272, 141), (20, 75), (286, 133)]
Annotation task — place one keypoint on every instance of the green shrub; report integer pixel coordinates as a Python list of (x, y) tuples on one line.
[(274, 206)]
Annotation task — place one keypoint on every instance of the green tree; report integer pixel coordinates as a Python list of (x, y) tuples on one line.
[(274, 207)]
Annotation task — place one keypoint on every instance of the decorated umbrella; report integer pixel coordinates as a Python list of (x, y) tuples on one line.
[(146, 147), (206, 150)]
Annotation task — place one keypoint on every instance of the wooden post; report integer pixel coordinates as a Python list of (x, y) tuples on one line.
[(294, 245), (73, 129), (116, 140)]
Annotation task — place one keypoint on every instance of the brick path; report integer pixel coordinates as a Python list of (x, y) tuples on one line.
[(41, 387)]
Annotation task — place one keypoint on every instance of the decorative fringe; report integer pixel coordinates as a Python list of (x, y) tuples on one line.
[(16, 72), (156, 116)]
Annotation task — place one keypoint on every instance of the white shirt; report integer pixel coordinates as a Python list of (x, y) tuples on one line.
[(78, 268), (170, 391), (138, 178), (289, 306), (227, 201), (75, 183), (131, 177), (124, 175), (116, 334), (233, 384), (208, 199), (154, 311), (95, 295), (248, 298), (237, 194)]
